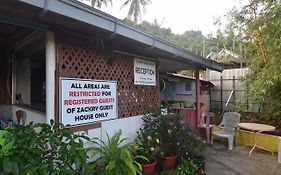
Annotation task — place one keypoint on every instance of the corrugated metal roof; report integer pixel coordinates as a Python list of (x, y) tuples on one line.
[(96, 18)]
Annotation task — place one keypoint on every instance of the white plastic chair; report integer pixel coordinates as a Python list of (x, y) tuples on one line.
[(229, 123), (205, 123)]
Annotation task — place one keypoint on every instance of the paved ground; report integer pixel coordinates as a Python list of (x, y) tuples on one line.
[(220, 161)]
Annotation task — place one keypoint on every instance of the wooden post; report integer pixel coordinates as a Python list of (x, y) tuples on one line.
[(233, 87), (197, 76), (247, 99), (210, 96), (221, 94), (50, 76)]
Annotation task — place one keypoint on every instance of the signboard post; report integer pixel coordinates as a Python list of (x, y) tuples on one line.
[(144, 72), (85, 101)]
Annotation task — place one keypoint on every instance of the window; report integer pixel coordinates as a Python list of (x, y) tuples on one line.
[(30, 77), (188, 86), (204, 89)]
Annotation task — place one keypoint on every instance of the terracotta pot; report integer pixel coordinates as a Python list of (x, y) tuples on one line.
[(148, 169), (200, 172), (170, 162)]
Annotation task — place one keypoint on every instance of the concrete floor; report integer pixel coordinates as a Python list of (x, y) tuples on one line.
[(220, 161)]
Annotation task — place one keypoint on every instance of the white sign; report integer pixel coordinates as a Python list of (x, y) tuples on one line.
[(86, 101), (144, 72)]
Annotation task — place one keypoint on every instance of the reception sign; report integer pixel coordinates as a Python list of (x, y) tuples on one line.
[(84, 101), (144, 72)]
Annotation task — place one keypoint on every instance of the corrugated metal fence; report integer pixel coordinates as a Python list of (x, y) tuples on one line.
[(225, 82)]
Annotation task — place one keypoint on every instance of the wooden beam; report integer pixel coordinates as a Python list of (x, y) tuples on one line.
[(197, 100)]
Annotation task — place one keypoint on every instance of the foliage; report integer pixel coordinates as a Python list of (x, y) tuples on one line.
[(193, 41), (187, 166), (135, 9), (148, 138), (99, 3), (169, 131), (238, 106), (115, 156), (259, 23), (43, 149), (190, 146)]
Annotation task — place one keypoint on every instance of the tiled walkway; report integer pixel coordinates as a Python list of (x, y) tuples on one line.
[(220, 161)]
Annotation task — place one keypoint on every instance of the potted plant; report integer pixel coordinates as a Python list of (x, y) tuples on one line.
[(114, 156), (147, 145), (148, 141), (191, 147), (169, 131), (187, 166)]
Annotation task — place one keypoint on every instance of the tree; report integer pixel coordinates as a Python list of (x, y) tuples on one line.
[(135, 10), (259, 23), (99, 3), (192, 41)]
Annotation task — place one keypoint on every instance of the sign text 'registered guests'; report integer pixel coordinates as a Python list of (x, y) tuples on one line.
[(87, 101)]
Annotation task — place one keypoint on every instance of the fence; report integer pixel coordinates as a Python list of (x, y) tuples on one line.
[(224, 83)]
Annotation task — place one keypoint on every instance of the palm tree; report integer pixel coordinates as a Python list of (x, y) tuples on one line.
[(135, 9), (99, 3)]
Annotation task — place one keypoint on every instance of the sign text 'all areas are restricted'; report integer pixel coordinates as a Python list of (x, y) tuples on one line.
[(86, 101)]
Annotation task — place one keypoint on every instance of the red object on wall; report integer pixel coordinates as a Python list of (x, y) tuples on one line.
[(198, 106), (189, 117)]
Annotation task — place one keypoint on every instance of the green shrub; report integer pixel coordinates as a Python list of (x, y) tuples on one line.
[(187, 167), (190, 146), (114, 156), (43, 149), (148, 139), (169, 129)]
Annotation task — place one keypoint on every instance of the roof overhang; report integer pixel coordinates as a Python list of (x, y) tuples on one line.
[(171, 57)]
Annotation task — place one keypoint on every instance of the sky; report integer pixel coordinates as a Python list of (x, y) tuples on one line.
[(179, 15)]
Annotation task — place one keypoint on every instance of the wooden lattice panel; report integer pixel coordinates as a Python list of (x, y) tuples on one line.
[(85, 61), (4, 94), (3, 91)]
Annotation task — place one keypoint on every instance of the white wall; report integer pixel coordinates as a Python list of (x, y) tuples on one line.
[(183, 95), (9, 112), (129, 127), (31, 115), (206, 100)]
